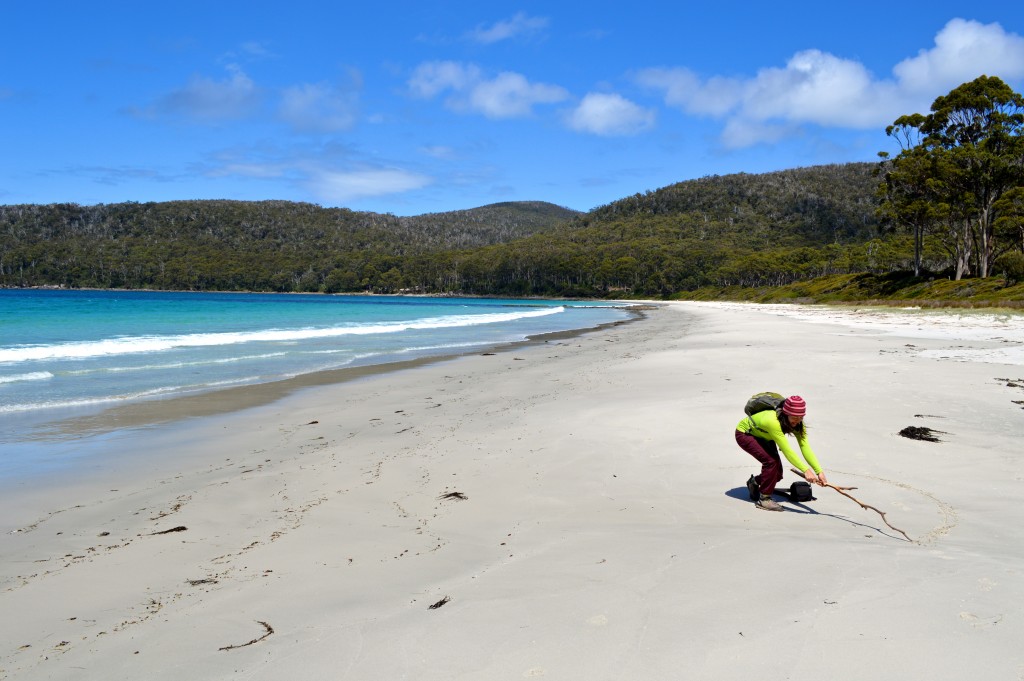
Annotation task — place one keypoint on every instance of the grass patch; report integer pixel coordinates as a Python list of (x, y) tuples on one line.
[(895, 288)]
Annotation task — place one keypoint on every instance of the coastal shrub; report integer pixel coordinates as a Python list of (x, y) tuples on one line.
[(1011, 265)]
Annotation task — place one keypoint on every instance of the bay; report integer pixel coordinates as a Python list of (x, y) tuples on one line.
[(68, 353)]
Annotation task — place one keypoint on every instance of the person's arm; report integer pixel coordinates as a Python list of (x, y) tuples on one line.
[(768, 422), (814, 474), (808, 453)]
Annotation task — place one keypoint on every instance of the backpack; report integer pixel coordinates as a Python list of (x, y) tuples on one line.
[(801, 491), (763, 402)]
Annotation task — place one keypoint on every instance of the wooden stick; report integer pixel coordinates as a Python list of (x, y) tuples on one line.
[(842, 490)]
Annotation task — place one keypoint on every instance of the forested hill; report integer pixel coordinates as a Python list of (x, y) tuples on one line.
[(238, 245), (490, 224), (281, 222), (799, 207), (748, 230), (772, 228)]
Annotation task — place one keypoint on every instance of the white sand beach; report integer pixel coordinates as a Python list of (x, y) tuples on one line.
[(573, 509)]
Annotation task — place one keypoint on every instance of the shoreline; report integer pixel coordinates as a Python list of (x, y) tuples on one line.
[(167, 410), (573, 508)]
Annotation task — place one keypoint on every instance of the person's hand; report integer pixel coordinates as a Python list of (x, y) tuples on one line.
[(821, 479), (812, 477)]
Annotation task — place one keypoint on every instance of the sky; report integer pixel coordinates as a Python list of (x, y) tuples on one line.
[(421, 107)]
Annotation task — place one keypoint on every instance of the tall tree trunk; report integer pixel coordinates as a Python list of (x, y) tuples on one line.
[(963, 250), (986, 230), (918, 248)]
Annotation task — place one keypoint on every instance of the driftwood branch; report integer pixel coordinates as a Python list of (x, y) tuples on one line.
[(842, 490), (269, 630)]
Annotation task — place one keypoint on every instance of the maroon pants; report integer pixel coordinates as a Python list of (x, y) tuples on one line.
[(767, 454)]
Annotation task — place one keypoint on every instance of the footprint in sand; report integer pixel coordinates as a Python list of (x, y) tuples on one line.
[(986, 584), (980, 622)]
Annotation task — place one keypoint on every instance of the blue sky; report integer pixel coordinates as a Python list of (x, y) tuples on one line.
[(410, 108)]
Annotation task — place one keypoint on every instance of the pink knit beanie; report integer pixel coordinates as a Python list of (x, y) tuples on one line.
[(794, 406)]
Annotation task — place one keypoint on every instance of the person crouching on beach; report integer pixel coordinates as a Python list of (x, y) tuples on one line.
[(763, 434)]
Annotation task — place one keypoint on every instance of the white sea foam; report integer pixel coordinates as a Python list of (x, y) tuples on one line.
[(174, 365), (129, 397), (31, 376), (151, 344), (83, 402), (445, 346)]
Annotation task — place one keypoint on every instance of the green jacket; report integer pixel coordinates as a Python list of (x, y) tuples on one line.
[(765, 425)]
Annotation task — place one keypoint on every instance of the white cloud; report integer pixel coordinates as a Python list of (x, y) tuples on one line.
[(248, 51), (507, 95), (213, 100), (684, 89), (963, 51), (336, 186), (255, 170), (439, 152), (510, 95), (318, 107), (432, 78), (520, 24), (254, 48), (813, 87), (740, 133), (818, 88), (331, 172), (608, 115)]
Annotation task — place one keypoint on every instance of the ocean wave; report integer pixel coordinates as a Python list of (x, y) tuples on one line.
[(153, 344), (130, 397), (605, 306), (173, 365), (445, 346), (32, 376)]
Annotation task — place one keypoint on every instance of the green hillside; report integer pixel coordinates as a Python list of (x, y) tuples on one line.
[(746, 230), (743, 236), (807, 206), (237, 245)]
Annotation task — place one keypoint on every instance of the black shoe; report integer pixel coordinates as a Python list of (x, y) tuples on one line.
[(753, 489)]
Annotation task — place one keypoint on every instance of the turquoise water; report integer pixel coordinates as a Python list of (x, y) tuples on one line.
[(69, 353)]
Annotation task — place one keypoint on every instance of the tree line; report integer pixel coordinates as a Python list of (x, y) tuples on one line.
[(748, 229)]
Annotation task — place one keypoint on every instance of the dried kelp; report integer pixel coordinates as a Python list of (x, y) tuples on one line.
[(441, 602), (179, 528), (269, 630), (921, 433)]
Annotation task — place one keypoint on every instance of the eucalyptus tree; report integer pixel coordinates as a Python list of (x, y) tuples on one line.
[(981, 123), (1010, 223), (955, 165), (910, 196)]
